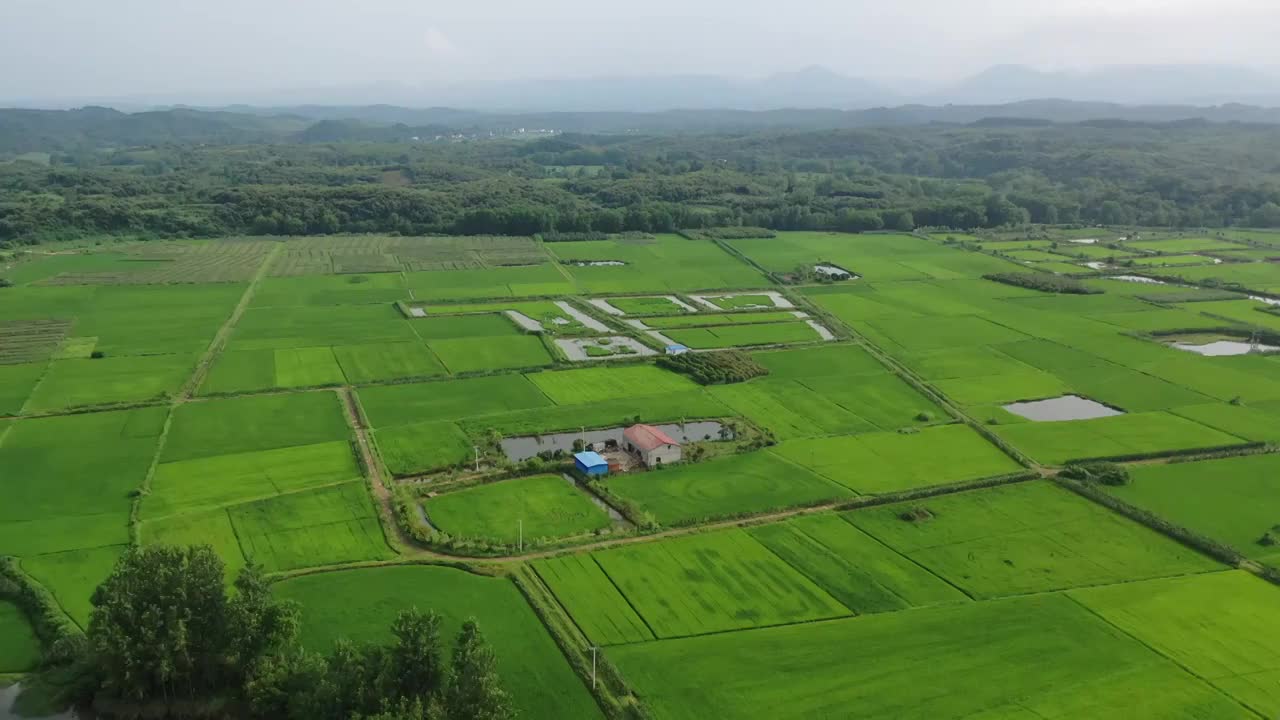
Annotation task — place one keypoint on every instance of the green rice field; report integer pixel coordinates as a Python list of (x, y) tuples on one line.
[(876, 535), (20, 650), (724, 581), (1233, 501), (1029, 537), (542, 506), (360, 604), (741, 484)]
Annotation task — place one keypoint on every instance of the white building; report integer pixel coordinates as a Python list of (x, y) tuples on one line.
[(652, 445)]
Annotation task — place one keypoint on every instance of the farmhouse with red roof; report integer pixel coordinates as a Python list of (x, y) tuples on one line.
[(652, 445)]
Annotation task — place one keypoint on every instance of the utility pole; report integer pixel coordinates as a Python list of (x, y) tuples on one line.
[(477, 449), (520, 533), (594, 648)]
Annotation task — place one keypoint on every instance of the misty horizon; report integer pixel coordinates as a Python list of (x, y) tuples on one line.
[(181, 52)]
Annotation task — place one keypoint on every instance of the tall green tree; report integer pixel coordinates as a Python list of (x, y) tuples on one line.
[(416, 663), (475, 691), (159, 627)]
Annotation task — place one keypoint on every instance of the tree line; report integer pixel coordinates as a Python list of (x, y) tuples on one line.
[(166, 639), (960, 177)]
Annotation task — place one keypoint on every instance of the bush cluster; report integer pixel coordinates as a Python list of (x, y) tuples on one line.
[(732, 233), (1044, 282), (715, 368), (1105, 473)]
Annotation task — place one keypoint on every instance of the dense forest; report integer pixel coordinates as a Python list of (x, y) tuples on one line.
[(195, 174)]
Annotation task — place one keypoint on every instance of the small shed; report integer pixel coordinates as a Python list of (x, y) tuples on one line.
[(654, 446), (677, 349), (590, 463)]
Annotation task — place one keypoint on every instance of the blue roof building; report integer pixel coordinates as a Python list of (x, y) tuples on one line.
[(590, 463), (677, 349)]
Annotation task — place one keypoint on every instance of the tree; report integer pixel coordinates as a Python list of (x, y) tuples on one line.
[(901, 220), (417, 668), (474, 691), (159, 627), (859, 221), (258, 625), (1266, 216)]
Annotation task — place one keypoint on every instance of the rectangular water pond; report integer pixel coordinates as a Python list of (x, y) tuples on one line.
[(519, 449), (1224, 348), (1067, 407)]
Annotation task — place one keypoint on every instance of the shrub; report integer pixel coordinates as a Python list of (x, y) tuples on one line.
[(97, 354), (916, 514), (715, 368), (732, 233), (1104, 473), (1044, 282)]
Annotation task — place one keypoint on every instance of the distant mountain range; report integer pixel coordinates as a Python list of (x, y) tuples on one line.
[(1124, 84), (811, 87), (24, 131), (817, 87)]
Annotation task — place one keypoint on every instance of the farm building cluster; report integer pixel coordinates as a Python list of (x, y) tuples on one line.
[(642, 444)]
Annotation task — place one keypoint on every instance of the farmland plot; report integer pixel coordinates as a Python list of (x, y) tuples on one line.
[(874, 664), (204, 483), (481, 354), (382, 288), (856, 569), (621, 412), (661, 264), (1233, 501), (595, 384), (1119, 436), (82, 383), (310, 326), (422, 447), (217, 427), (20, 650), (1216, 625), (449, 400), (888, 462), (212, 528), (54, 500), (386, 361), (542, 506), (711, 583), (707, 320), (608, 619), (316, 527), (16, 384), (1025, 538), (73, 576), (725, 336), (738, 484), (789, 409), (361, 604), (503, 282)]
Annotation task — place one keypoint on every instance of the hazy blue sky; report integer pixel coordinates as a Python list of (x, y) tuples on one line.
[(201, 49)]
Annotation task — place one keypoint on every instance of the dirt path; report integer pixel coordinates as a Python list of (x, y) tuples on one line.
[(224, 332), (382, 495), (413, 552)]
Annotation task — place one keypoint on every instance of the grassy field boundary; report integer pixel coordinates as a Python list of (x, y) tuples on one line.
[(1207, 546), (1182, 666), (144, 488), (48, 618), (374, 473), (612, 694), (224, 332), (1243, 448)]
